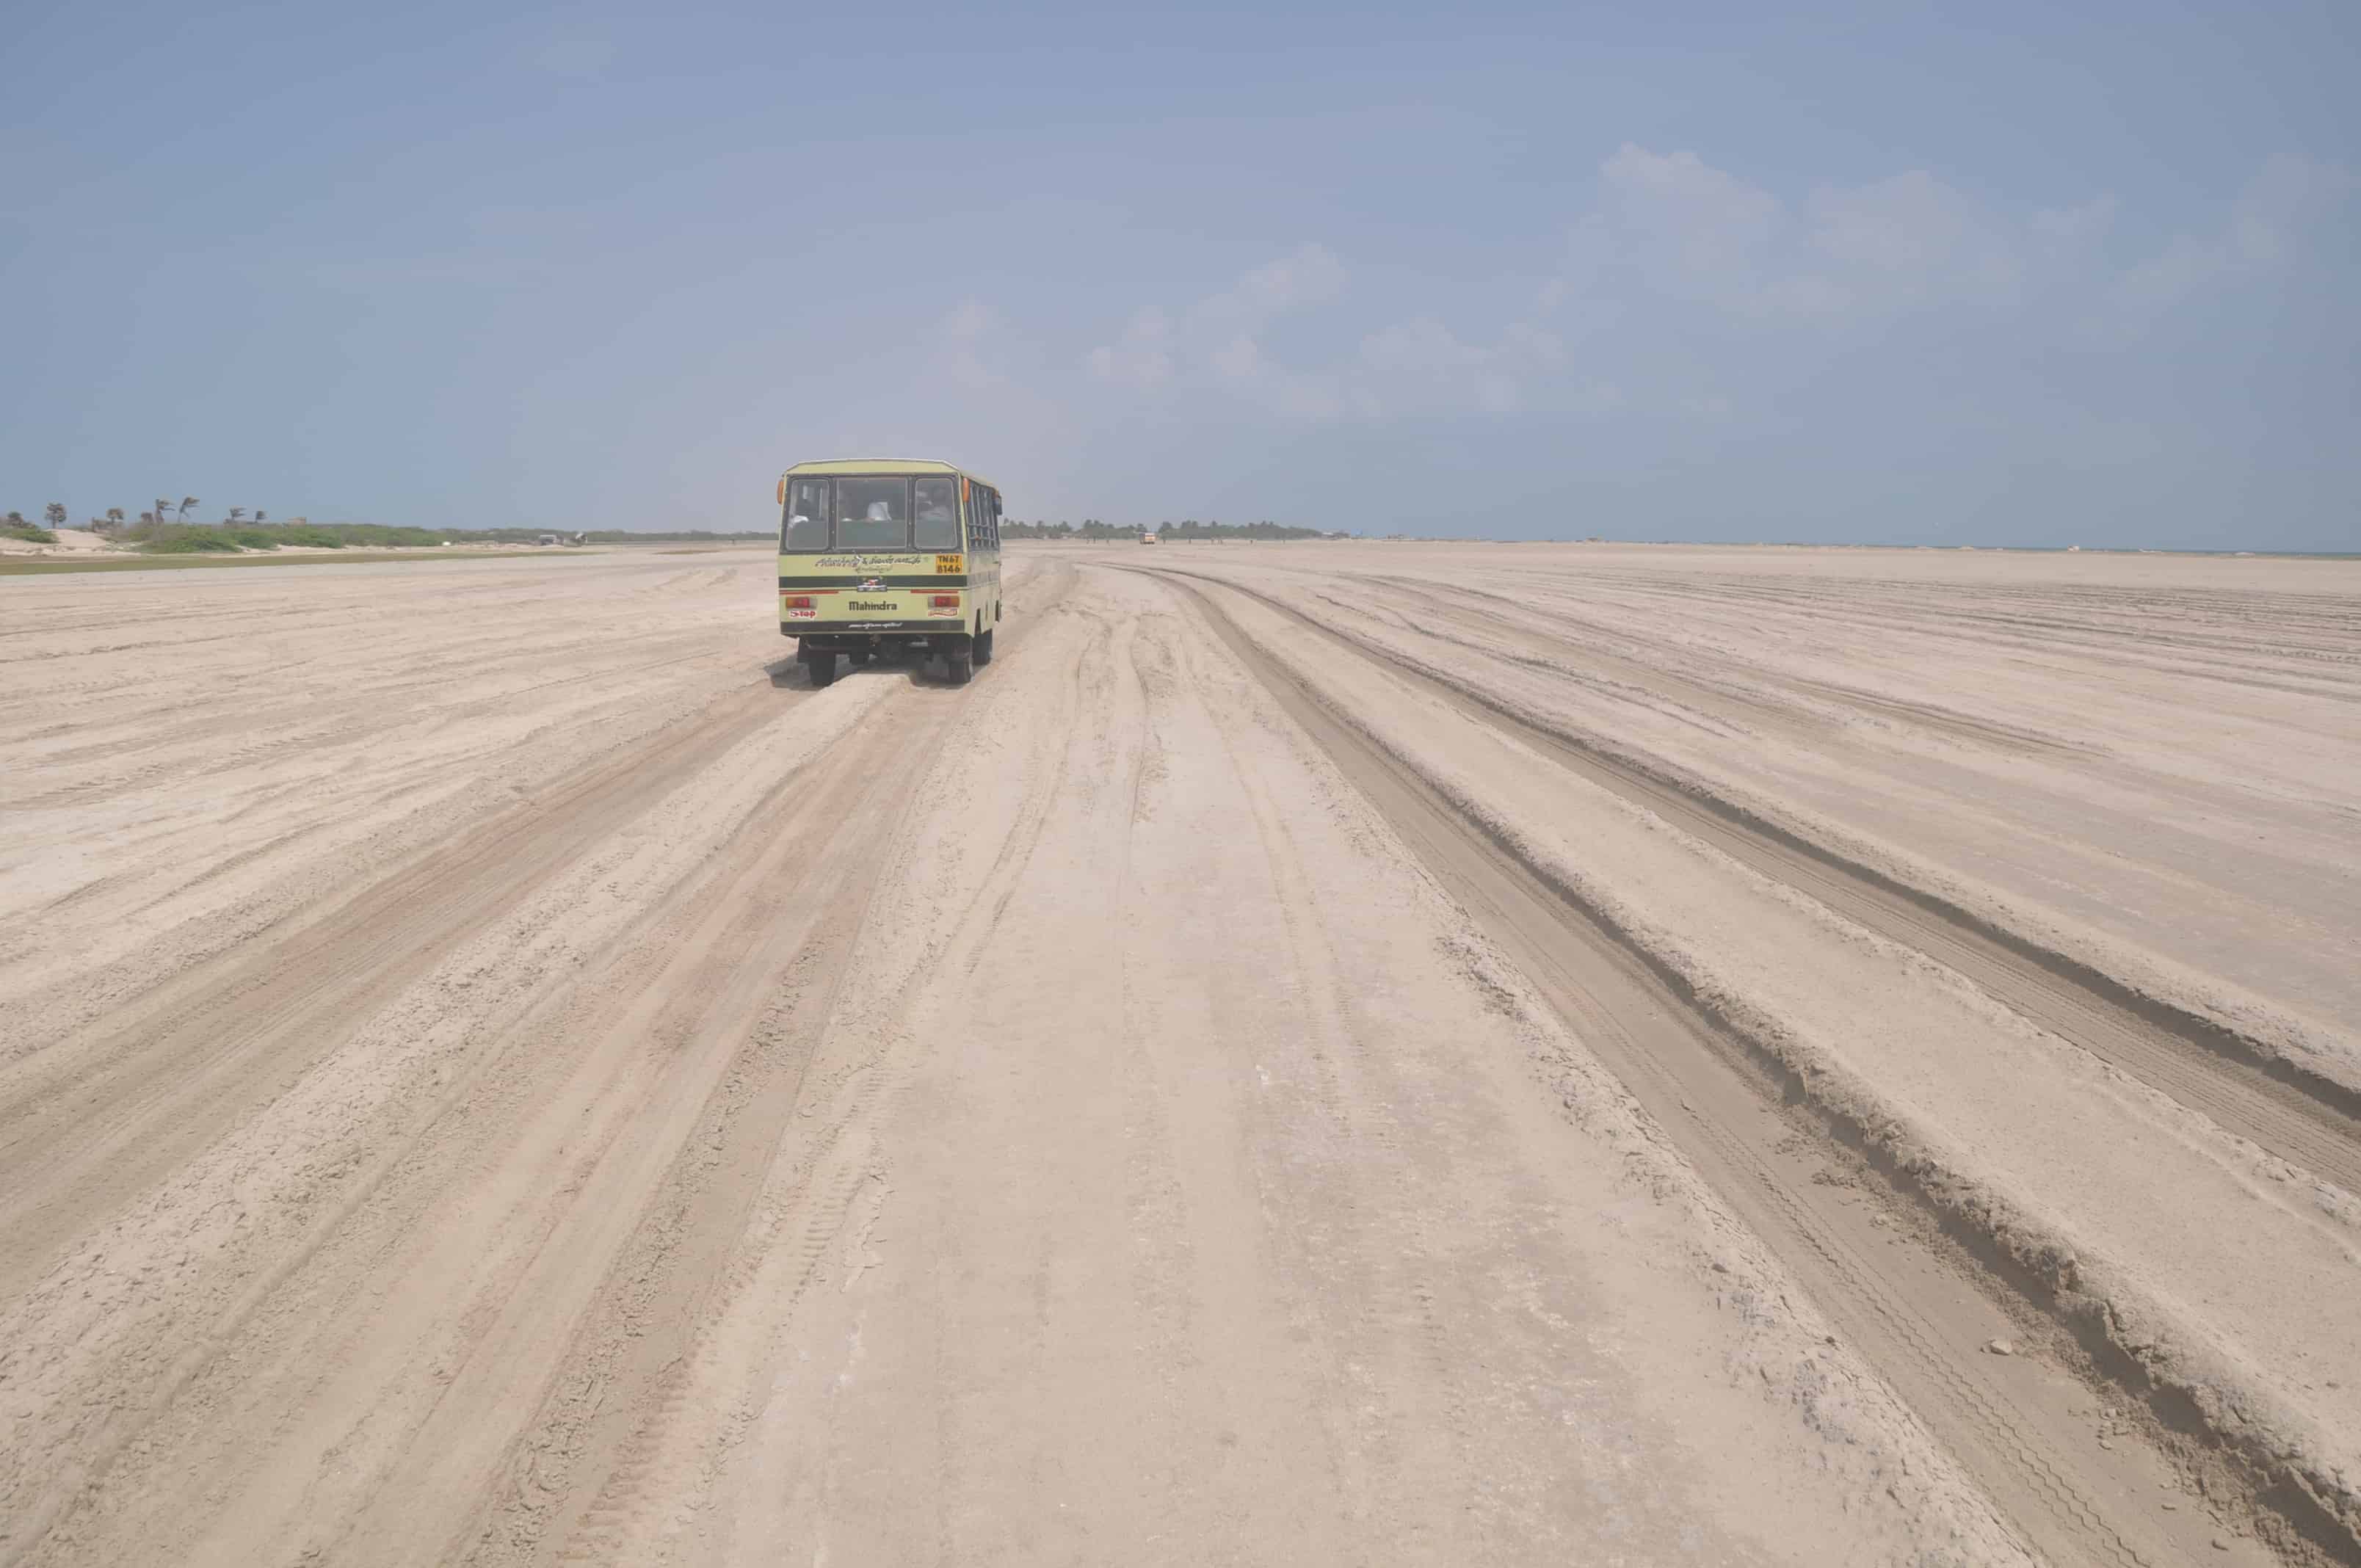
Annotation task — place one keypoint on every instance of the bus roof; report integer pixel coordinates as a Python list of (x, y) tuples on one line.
[(858, 465)]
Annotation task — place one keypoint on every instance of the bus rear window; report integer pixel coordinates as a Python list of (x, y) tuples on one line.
[(807, 521), (937, 515), (878, 512), (873, 514)]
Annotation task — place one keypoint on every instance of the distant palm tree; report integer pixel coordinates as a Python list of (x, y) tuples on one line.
[(56, 512), (162, 506), (237, 514), (260, 515), (186, 502), (115, 517)]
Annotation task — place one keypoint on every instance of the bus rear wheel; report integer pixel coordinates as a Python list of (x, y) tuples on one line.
[(822, 667), (960, 667), (983, 647)]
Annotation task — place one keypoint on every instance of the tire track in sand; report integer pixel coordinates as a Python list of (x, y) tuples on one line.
[(620, 1125), (615, 1447), (1710, 1095), (86, 1125), (2307, 1121)]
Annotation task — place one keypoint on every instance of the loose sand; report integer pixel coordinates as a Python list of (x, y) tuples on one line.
[(1322, 1053), (69, 542)]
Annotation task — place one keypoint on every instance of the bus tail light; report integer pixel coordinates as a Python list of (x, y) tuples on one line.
[(795, 601), (944, 601)]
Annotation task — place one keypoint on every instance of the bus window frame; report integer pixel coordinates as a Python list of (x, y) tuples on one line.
[(980, 515), (826, 514), (909, 516), (956, 522)]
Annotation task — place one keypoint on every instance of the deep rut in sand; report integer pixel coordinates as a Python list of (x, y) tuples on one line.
[(1916, 1313), (2308, 1121)]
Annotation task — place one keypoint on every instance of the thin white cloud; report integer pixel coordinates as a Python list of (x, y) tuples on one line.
[(964, 354), (1242, 368), (2286, 197), (1672, 230), (970, 321), (1424, 346), (2167, 278), (1221, 345), (1538, 343), (1708, 223), (2077, 227), (1308, 275), (1909, 239), (2268, 221), (1907, 222), (1422, 366), (1235, 319), (971, 383), (1142, 356), (1218, 343), (1671, 224), (1801, 297)]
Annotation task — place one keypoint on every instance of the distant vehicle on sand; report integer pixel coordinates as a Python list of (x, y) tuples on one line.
[(882, 559)]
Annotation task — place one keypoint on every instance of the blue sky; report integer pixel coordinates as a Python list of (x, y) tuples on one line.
[(1989, 274)]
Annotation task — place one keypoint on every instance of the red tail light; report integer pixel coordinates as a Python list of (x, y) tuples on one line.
[(795, 601), (945, 601)]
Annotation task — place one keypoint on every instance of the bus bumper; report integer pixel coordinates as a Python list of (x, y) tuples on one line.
[(870, 635)]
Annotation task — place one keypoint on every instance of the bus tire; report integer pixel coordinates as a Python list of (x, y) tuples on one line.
[(983, 648), (960, 667), (822, 667)]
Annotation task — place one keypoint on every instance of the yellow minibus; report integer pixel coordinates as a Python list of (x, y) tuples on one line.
[(885, 559)]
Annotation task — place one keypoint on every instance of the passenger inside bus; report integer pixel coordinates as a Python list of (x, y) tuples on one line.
[(938, 524), (871, 515)]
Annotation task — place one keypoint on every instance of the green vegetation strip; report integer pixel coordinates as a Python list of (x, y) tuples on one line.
[(43, 566)]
